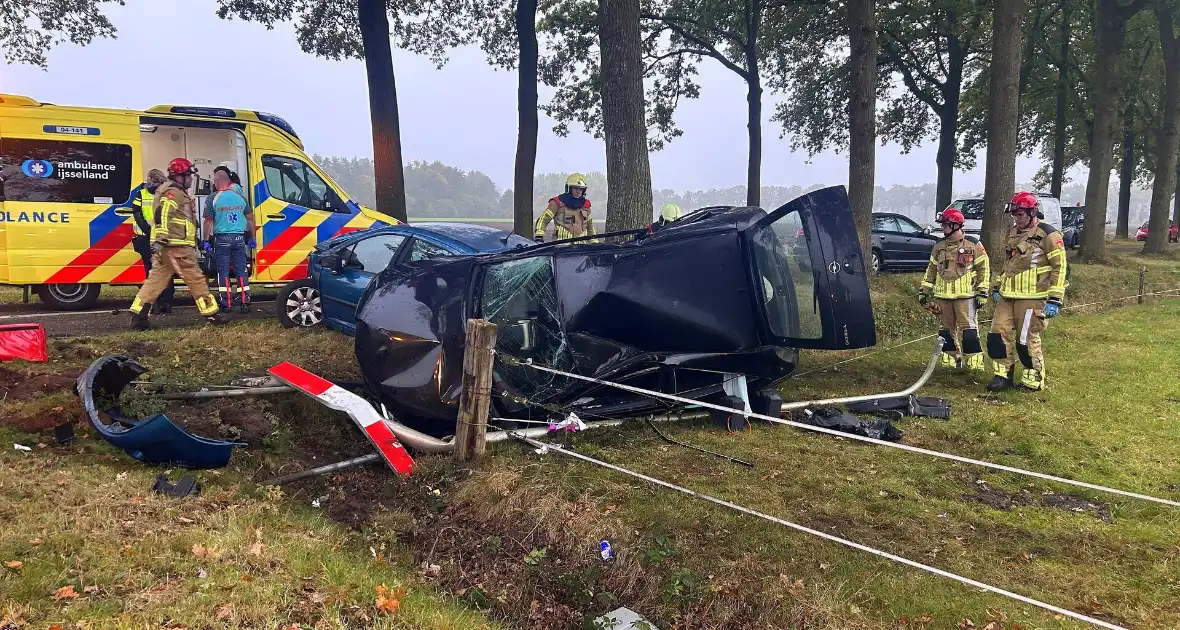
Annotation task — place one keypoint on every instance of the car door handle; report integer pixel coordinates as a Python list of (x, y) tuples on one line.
[(125, 212), (278, 216)]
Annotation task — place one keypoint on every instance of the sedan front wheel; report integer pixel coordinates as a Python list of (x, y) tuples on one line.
[(299, 305)]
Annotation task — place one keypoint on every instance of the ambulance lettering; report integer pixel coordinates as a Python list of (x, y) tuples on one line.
[(34, 217)]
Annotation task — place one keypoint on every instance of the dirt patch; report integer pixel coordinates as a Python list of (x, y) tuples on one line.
[(998, 499), (45, 419), (225, 420), (21, 386), (73, 349), (141, 348)]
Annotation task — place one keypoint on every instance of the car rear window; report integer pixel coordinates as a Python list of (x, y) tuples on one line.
[(971, 208)]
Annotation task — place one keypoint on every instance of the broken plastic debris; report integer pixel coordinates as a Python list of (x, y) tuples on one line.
[(202, 574), (541, 451), (622, 619), (605, 550), (21, 447), (571, 423), (316, 502)]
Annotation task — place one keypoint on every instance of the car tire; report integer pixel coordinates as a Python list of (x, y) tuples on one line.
[(876, 261), (69, 297), (298, 304)]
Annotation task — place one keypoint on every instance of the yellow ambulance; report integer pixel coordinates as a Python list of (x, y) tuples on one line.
[(68, 176)]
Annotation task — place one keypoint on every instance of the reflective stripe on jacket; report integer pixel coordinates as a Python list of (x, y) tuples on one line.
[(958, 269), (142, 206), (1035, 265), (567, 222), (174, 221)]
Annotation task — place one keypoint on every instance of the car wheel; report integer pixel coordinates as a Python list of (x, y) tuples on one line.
[(875, 264), (299, 304), (69, 297)]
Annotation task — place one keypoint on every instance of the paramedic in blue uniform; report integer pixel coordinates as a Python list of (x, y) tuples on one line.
[(141, 212), (229, 220)]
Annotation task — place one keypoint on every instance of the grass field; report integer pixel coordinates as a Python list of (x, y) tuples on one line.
[(513, 540)]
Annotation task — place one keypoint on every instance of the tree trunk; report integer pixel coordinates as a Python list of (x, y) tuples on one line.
[(526, 106), (948, 130), (624, 124), (1168, 138), (753, 104), (862, 117), (1059, 124), (387, 141), (1111, 26), (1122, 227), (1003, 120)]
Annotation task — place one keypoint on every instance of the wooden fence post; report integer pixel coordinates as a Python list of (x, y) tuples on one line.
[(1142, 282), (476, 398)]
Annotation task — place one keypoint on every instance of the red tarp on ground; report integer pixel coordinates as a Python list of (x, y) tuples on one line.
[(23, 341)]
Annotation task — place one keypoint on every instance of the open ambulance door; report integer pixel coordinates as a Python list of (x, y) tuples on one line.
[(810, 276)]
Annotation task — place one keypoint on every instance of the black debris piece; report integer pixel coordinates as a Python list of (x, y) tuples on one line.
[(64, 433), (921, 407), (186, 486), (832, 418)]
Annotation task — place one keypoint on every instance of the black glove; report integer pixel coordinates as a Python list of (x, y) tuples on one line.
[(539, 239)]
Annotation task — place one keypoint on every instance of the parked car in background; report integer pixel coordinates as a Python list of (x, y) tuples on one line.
[(900, 243), (1071, 225), (339, 270), (1173, 233), (972, 209)]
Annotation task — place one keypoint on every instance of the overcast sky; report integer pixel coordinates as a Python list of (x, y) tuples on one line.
[(463, 115)]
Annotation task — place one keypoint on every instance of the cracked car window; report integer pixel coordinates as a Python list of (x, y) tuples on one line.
[(520, 297), (783, 257)]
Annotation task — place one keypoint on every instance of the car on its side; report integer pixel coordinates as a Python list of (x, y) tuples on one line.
[(339, 270), (1173, 233), (900, 243)]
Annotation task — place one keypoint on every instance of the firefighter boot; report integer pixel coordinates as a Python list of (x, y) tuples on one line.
[(218, 318), (139, 321), (1033, 380), (1002, 380), (948, 360)]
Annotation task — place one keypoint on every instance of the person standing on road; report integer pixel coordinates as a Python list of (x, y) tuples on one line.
[(569, 212), (957, 280), (141, 212), (1029, 291), (174, 247), (229, 220)]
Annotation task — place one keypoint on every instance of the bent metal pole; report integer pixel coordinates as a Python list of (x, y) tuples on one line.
[(853, 436), (807, 530)]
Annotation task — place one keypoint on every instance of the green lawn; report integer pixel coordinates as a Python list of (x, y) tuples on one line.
[(513, 540)]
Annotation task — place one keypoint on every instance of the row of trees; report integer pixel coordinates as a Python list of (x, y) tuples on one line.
[(434, 189), (1080, 83)]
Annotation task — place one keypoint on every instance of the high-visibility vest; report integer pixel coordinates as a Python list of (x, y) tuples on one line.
[(144, 203), (175, 224)]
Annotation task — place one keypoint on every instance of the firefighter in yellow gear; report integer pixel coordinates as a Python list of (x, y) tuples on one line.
[(569, 212), (957, 280), (1029, 291), (670, 212), (174, 247), (141, 213)]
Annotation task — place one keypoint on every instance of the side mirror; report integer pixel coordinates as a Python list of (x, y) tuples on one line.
[(332, 262)]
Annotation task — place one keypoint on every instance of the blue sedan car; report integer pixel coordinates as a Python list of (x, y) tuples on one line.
[(339, 269)]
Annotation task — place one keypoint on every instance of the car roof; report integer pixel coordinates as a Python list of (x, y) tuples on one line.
[(478, 237)]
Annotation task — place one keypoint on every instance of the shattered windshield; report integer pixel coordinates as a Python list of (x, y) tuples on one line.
[(972, 209), (520, 297), (782, 257)]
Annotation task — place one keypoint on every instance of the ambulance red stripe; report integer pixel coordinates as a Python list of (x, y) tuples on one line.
[(93, 258), (281, 244)]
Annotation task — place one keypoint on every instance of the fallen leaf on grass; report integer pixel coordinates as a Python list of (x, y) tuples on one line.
[(966, 624), (90, 589), (55, 627), (199, 550), (186, 521), (127, 550), (223, 612), (995, 625), (35, 542), (65, 592), (15, 565), (247, 578), (389, 601), (292, 626), (256, 549)]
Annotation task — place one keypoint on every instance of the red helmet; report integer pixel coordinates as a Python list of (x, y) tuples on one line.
[(181, 166), (1025, 200), (951, 215)]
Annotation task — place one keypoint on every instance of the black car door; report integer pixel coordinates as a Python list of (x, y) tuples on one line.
[(826, 306)]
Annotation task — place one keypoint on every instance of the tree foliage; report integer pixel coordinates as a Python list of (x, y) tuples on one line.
[(29, 28)]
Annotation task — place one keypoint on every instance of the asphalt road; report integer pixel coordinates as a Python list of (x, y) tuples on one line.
[(112, 316)]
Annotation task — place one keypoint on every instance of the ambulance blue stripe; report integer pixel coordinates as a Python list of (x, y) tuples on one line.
[(107, 221), (274, 227), (261, 193), (330, 226)]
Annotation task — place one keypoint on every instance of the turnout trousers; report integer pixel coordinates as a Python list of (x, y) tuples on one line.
[(143, 247), (960, 332), (1016, 333), (180, 260)]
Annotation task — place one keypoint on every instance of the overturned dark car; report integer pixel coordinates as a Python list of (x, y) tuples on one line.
[(718, 297)]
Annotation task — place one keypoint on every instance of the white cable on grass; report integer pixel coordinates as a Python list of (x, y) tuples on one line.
[(807, 530), (852, 436)]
